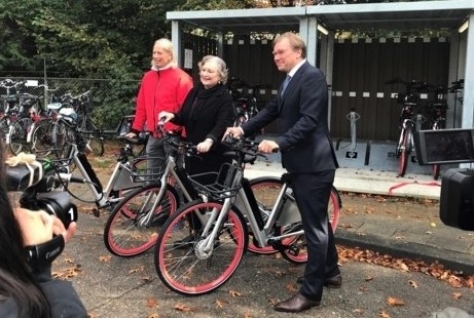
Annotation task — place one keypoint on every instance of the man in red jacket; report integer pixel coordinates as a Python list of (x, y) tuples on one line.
[(163, 88)]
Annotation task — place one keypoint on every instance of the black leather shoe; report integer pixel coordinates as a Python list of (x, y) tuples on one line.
[(331, 282), (297, 303)]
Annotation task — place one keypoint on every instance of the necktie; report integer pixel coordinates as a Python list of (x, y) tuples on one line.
[(285, 84)]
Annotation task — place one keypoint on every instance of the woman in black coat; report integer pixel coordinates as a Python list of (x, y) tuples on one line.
[(206, 113)]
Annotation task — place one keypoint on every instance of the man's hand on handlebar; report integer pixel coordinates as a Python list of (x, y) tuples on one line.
[(268, 146), (235, 132)]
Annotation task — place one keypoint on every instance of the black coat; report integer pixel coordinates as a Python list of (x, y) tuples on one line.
[(206, 114)]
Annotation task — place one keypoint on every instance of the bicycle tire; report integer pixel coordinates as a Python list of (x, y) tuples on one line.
[(123, 236), (5, 125), (18, 135), (435, 171), (52, 137), (181, 261), (266, 190), (403, 155), (92, 137)]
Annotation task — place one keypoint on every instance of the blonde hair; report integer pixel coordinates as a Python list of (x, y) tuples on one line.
[(167, 45), (221, 66), (295, 40)]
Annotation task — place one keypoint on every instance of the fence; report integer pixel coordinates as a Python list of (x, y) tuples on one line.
[(111, 99)]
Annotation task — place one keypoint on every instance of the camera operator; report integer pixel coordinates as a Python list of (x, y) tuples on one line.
[(27, 288)]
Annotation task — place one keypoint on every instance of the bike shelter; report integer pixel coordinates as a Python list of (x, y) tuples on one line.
[(322, 27)]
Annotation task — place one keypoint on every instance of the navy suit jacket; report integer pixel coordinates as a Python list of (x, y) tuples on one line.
[(304, 139)]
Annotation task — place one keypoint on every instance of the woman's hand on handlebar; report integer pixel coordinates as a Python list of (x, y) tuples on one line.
[(268, 146), (235, 132), (205, 146), (39, 227), (165, 116)]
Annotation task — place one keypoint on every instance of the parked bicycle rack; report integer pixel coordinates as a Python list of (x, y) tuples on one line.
[(352, 153)]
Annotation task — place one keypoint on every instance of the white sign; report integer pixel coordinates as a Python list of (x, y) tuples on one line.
[(188, 58)]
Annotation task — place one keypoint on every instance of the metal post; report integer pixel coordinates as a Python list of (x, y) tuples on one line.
[(353, 117)]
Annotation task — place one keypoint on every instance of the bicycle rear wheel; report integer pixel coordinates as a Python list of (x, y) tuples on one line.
[(18, 135), (126, 233), (181, 259), (266, 190)]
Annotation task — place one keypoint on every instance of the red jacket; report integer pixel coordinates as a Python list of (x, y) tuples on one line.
[(163, 90)]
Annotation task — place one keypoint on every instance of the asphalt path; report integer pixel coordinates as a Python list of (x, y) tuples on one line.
[(129, 287)]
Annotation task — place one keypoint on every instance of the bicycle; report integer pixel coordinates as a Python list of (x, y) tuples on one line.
[(131, 228), (120, 182), (438, 118), (61, 127), (409, 121), (201, 245), (245, 107), (30, 114)]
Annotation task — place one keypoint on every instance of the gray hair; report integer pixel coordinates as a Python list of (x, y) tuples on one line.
[(167, 45), (222, 68)]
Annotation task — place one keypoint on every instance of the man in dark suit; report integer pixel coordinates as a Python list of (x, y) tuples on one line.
[(308, 155)]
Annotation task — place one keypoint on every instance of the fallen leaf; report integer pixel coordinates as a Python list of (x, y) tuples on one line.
[(413, 283), (457, 295), (219, 304), (135, 270), (273, 301), (291, 287), (368, 278), (358, 310), (433, 224), (384, 314), (392, 302), (66, 273), (105, 259), (234, 293), (247, 314), (68, 261), (183, 308), (151, 302), (153, 315)]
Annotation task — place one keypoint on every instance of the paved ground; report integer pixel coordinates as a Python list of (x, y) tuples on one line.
[(396, 225)]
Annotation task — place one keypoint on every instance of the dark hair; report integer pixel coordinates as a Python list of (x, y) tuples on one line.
[(16, 278)]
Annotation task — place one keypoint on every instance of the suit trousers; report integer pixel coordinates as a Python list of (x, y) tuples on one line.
[(312, 191)]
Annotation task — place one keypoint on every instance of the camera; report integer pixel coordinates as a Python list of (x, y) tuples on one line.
[(451, 146), (41, 186)]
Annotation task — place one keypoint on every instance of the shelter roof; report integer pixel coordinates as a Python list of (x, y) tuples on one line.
[(400, 16)]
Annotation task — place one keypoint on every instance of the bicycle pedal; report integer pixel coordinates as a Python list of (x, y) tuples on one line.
[(293, 250), (96, 212)]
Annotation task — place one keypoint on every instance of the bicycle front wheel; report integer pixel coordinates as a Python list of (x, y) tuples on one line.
[(127, 233), (403, 154), (183, 261)]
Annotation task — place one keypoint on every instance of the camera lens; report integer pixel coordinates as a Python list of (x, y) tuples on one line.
[(58, 204)]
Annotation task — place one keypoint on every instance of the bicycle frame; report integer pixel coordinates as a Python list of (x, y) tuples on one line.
[(180, 177), (407, 128)]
